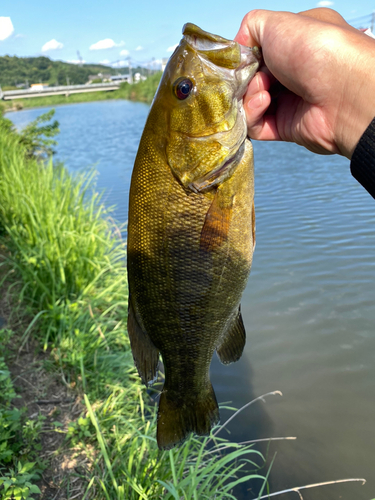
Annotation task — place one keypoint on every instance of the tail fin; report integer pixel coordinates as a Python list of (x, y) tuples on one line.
[(177, 417)]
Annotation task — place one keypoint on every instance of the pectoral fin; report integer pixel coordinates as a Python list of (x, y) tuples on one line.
[(216, 225), (145, 354), (234, 342)]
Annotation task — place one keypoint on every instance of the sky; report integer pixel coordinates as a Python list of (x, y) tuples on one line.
[(143, 32)]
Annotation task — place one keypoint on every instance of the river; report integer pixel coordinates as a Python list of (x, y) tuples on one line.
[(308, 307)]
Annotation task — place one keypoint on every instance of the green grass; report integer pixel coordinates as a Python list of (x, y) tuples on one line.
[(70, 266), (143, 91), (20, 466)]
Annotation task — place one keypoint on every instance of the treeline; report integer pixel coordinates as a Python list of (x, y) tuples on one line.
[(21, 70), (27, 70)]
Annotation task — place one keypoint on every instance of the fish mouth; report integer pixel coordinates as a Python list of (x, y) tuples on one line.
[(220, 51), (218, 175)]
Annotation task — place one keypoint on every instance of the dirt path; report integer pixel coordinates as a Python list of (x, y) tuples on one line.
[(47, 397)]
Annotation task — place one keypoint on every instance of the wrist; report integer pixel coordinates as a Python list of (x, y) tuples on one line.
[(357, 109)]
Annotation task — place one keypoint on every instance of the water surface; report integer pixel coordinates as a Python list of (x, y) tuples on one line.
[(308, 307)]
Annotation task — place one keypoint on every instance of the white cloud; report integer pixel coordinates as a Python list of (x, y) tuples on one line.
[(119, 64), (6, 27), (324, 3), (76, 61), (107, 43), (52, 45), (124, 52), (105, 61), (139, 47), (171, 49)]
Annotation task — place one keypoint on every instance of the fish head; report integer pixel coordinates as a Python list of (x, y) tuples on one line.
[(201, 92)]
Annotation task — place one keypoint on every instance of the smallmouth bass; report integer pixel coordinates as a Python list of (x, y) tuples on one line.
[(191, 228)]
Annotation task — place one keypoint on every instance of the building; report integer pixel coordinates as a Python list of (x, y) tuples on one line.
[(104, 77), (39, 86), (120, 78), (138, 78)]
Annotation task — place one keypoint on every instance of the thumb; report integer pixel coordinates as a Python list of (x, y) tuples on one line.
[(250, 32)]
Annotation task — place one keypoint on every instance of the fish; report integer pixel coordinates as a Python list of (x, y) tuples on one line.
[(191, 229)]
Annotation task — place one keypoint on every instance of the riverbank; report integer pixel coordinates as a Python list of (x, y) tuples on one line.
[(67, 257), (142, 91)]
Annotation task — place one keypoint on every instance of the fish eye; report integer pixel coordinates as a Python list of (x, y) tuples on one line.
[(182, 88)]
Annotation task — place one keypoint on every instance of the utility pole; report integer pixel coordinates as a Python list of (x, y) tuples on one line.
[(372, 22), (130, 71), (79, 58)]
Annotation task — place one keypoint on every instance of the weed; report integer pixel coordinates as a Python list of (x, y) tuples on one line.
[(19, 439), (16, 483)]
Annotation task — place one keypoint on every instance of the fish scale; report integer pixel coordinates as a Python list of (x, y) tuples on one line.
[(190, 249)]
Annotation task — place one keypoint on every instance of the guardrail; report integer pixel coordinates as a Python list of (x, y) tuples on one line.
[(63, 89)]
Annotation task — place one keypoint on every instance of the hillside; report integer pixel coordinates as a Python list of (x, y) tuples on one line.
[(19, 70)]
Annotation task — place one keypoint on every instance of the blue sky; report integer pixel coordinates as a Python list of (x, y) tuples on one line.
[(112, 31)]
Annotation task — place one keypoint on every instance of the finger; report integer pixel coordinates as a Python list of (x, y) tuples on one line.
[(255, 106), (248, 34), (261, 81), (259, 125), (265, 130)]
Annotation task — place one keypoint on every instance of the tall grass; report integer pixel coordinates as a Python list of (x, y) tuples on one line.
[(70, 263)]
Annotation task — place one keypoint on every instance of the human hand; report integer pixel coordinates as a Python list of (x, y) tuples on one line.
[(318, 71)]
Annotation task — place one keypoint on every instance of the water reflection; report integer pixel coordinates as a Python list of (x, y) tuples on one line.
[(252, 423)]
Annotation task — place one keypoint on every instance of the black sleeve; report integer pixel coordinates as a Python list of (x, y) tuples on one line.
[(362, 165)]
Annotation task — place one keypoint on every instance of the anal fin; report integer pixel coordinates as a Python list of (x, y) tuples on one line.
[(145, 354), (230, 350)]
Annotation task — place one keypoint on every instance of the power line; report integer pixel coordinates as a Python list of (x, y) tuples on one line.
[(359, 18), (366, 21)]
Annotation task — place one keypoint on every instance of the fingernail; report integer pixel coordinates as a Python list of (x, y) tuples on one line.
[(256, 101), (256, 80)]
